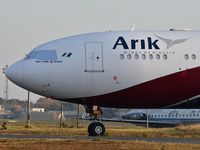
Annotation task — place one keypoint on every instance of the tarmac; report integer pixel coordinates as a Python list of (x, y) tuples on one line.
[(110, 138)]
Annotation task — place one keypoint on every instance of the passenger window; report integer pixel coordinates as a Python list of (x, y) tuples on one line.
[(150, 56), (47, 55), (121, 56), (157, 56), (143, 56), (186, 56), (193, 56), (165, 56), (129, 56), (136, 56)]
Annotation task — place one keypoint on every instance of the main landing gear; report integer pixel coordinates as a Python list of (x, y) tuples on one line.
[(96, 128)]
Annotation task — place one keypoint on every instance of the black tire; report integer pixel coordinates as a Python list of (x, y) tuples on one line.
[(96, 129), (90, 129)]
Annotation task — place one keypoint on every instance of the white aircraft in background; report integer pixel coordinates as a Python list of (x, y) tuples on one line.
[(162, 117), (121, 69)]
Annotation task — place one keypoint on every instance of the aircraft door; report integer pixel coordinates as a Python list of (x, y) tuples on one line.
[(94, 57)]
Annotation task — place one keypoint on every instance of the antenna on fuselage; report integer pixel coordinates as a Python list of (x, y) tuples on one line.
[(133, 28)]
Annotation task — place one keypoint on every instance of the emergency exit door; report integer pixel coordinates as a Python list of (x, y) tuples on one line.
[(94, 57)]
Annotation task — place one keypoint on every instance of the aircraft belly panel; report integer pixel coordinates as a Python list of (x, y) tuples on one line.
[(156, 93)]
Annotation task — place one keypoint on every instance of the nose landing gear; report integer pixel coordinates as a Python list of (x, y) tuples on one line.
[(96, 128)]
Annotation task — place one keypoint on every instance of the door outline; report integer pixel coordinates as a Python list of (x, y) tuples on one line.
[(87, 68)]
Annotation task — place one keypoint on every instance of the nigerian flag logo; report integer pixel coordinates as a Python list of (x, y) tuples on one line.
[(66, 54)]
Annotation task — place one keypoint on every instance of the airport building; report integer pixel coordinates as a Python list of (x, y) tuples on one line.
[(37, 109)]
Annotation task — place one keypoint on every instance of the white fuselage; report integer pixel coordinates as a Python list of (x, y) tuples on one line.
[(100, 65)]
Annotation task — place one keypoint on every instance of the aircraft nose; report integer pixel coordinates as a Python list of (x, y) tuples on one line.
[(15, 73)]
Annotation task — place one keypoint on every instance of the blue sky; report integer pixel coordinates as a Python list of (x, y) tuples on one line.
[(24, 24)]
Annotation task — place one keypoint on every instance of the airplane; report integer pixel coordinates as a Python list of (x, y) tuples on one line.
[(162, 117), (118, 69)]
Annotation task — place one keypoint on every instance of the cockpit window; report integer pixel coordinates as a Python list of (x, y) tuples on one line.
[(43, 55), (47, 55), (32, 54)]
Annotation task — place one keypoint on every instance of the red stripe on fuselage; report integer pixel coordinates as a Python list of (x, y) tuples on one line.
[(160, 92)]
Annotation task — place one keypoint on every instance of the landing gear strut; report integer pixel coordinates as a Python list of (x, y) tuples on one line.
[(96, 128)]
